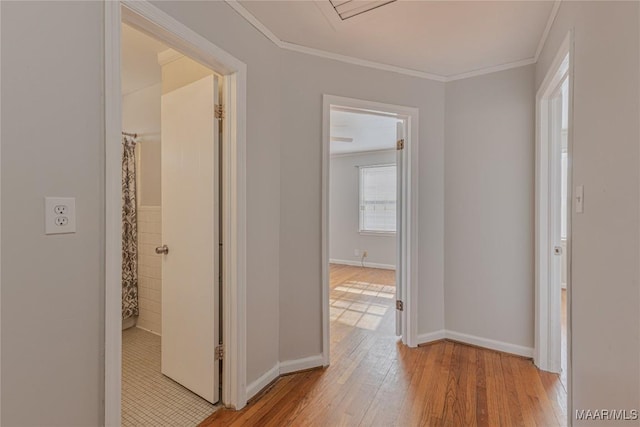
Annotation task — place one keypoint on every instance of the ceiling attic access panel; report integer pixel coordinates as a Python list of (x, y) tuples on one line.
[(349, 8)]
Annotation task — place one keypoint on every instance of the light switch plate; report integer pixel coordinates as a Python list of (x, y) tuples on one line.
[(59, 215)]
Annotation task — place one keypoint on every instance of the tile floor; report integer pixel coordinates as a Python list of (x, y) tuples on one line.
[(148, 397)]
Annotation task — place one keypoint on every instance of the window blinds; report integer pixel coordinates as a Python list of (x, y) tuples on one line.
[(378, 198)]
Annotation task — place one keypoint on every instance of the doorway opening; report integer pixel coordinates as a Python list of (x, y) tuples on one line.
[(363, 221), (562, 99), (368, 178), (171, 234), (554, 209), (192, 319)]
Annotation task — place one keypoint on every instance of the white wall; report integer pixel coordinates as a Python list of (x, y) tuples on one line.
[(52, 145), (604, 288), (304, 80), (344, 218), (182, 72), (489, 190)]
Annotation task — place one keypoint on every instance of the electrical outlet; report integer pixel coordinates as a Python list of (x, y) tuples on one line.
[(356, 252), (59, 215), (364, 254), (61, 210), (61, 221)]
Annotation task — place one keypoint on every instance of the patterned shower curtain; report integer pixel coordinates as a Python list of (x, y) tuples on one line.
[(129, 230)]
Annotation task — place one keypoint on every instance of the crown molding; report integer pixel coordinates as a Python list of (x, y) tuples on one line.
[(235, 5), (362, 62), (493, 69), (547, 29), (255, 22)]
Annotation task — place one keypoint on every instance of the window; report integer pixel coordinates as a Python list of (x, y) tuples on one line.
[(378, 199)]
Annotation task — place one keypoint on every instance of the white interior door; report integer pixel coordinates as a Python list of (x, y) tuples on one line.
[(400, 136), (190, 232), (555, 227)]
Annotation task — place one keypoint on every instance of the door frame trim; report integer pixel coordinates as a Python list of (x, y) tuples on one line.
[(410, 226), (153, 21), (546, 343)]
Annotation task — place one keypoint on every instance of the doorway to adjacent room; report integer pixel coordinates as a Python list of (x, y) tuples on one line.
[(367, 215), (556, 202)]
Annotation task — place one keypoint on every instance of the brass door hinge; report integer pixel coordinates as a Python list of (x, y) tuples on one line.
[(400, 144), (219, 111), (399, 305), (219, 352)]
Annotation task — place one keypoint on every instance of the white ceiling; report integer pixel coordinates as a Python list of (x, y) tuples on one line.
[(140, 68), (446, 38), (369, 132)]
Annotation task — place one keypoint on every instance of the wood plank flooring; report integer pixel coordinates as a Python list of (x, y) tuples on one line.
[(563, 337), (374, 380)]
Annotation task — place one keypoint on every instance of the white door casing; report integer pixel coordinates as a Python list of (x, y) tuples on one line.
[(190, 230), (548, 198), (555, 238), (410, 172), (399, 219), (145, 16), (547, 350)]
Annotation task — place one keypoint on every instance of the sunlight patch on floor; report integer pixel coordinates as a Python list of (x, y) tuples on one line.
[(354, 304)]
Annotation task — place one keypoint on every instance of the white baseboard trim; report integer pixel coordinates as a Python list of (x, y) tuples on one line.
[(265, 379), (282, 368), (477, 341), (289, 366), (148, 330), (431, 337), (359, 264), (149, 208), (490, 344)]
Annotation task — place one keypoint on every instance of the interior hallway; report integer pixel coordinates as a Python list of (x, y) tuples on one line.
[(374, 380)]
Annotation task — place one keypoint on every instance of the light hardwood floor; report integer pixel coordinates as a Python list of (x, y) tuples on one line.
[(374, 380)]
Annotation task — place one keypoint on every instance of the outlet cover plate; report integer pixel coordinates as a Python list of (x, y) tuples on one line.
[(53, 205)]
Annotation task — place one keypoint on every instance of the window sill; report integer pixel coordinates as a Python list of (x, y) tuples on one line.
[(378, 233)]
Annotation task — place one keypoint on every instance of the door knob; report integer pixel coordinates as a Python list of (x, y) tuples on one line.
[(164, 249)]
